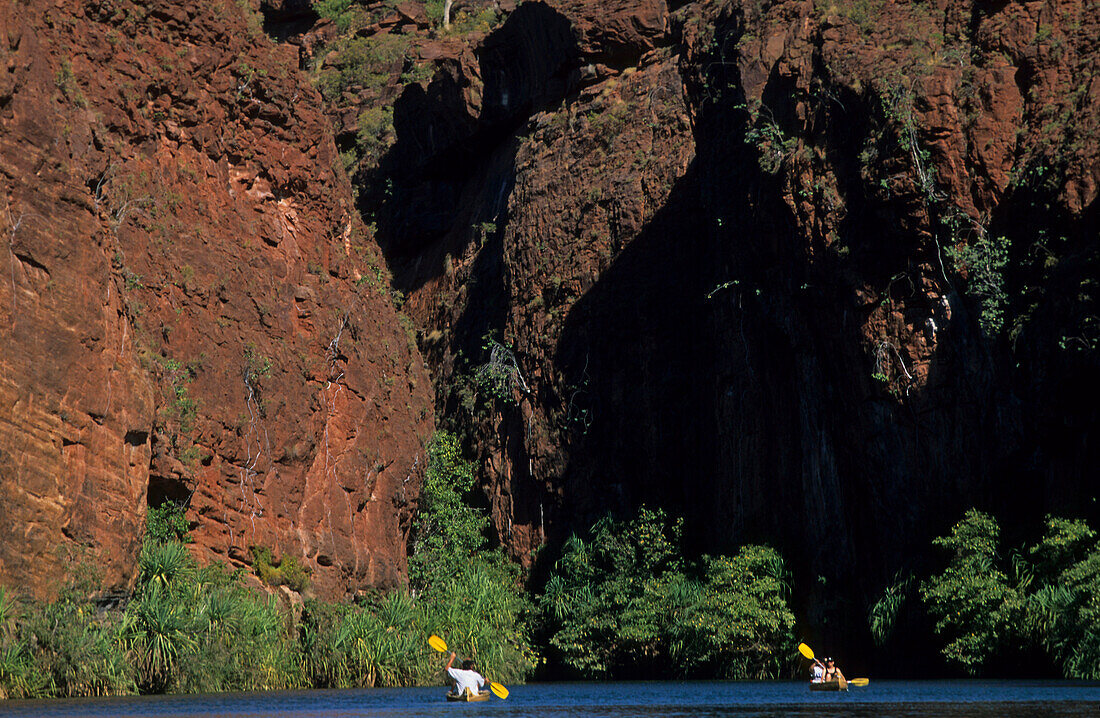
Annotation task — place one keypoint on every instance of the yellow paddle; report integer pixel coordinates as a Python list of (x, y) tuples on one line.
[(809, 654), (440, 645)]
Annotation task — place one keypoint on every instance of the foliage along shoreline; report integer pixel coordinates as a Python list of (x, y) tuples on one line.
[(620, 602), (623, 593)]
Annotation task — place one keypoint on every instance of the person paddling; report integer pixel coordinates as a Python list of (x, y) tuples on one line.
[(465, 678), (832, 673), (817, 672)]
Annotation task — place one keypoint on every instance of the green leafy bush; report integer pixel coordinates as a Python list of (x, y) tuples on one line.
[(199, 629), (286, 571), (167, 522), (465, 592), (448, 531), (480, 607), (623, 603), (379, 643), (984, 262), (1064, 607), (742, 627), (375, 134), (1045, 598), (364, 62), (63, 648), (972, 602)]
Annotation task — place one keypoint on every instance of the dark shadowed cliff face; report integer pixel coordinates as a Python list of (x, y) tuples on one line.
[(746, 257), (192, 308)]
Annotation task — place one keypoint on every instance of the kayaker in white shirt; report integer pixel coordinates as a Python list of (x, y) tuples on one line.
[(465, 677), (817, 672)]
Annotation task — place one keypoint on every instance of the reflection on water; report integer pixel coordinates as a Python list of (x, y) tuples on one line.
[(893, 699)]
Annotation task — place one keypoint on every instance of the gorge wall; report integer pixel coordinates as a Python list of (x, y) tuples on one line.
[(192, 308), (818, 274), (727, 246)]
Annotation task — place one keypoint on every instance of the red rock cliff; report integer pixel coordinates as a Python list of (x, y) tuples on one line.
[(718, 239), (192, 308)]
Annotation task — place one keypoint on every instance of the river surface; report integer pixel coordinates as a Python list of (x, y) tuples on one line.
[(918, 699)]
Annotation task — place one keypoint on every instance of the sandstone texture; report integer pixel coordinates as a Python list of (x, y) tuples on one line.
[(710, 256), (717, 239), (192, 308)]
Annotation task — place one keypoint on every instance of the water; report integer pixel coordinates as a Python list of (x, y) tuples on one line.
[(895, 699)]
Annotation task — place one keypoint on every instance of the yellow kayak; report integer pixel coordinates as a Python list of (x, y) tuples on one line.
[(467, 697), (829, 686)]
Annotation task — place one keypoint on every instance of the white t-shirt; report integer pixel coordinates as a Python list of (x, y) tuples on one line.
[(818, 673), (465, 679)]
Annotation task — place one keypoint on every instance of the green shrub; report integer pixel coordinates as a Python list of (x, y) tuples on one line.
[(287, 571), (375, 133), (972, 602), (367, 62), (479, 606), (448, 532), (167, 522), (1064, 607), (332, 9), (984, 263), (623, 603), (1046, 598), (199, 629), (742, 627), (467, 594), (377, 644), (67, 647)]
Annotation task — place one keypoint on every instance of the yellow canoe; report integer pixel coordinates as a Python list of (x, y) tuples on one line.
[(829, 686), (467, 697)]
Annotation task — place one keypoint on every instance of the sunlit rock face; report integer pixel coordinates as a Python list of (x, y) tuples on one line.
[(192, 308)]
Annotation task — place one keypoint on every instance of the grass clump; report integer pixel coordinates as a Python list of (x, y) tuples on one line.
[(200, 629)]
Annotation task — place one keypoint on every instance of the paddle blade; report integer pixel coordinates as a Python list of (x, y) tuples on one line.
[(498, 690), (437, 643), (859, 681), (806, 651)]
